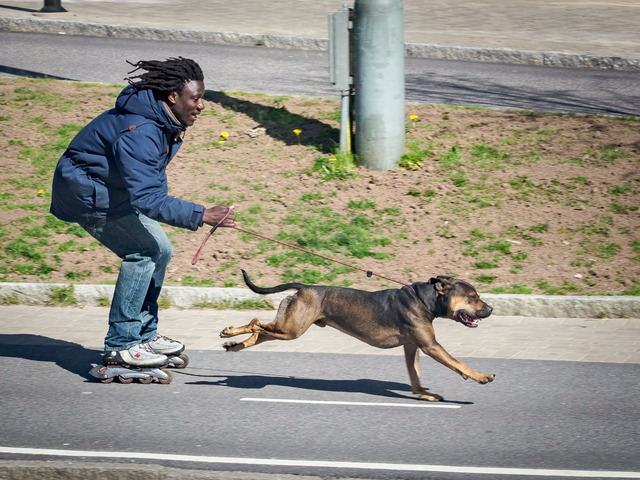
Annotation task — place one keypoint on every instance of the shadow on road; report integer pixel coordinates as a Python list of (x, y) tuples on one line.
[(368, 386), (68, 355)]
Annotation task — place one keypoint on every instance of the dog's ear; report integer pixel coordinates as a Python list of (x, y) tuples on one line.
[(441, 284)]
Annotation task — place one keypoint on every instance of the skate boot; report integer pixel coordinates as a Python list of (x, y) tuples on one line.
[(171, 348), (138, 362)]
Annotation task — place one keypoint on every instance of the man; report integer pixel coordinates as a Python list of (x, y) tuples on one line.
[(112, 181)]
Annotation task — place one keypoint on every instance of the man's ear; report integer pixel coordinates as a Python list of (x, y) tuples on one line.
[(172, 98), (441, 284)]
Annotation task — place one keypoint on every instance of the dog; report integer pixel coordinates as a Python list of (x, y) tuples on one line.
[(383, 319)]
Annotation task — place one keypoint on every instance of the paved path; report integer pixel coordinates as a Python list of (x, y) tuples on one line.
[(491, 30), (510, 337)]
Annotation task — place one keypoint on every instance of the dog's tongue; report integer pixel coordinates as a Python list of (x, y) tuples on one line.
[(468, 321)]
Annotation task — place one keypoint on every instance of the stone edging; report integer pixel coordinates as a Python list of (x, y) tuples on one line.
[(492, 55), (188, 297)]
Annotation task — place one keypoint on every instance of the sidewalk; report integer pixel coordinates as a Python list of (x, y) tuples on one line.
[(576, 33), (534, 327), (503, 337)]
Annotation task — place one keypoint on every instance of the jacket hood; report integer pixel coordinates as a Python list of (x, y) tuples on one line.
[(142, 102)]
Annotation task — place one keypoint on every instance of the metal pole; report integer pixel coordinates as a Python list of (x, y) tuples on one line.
[(52, 6), (378, 36), (340, 69)]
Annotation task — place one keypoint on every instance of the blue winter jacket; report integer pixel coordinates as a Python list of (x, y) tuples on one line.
[(116, 166)]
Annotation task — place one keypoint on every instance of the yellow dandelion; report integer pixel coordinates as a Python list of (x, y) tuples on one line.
[(221, 142), (413, 117), (224, 134), (297, 131), (332, 159), (41, 192)]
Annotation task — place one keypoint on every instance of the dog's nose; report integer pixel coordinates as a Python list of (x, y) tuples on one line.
[(488, 309)]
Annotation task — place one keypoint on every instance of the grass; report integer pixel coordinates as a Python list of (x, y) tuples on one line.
[(457, 189), (327, 233)]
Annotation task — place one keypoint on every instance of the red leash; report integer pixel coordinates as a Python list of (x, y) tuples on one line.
[(368, 272), (213, 229)]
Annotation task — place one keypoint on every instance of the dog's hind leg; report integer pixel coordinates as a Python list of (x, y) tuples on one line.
[(250, 327), (412, 358)]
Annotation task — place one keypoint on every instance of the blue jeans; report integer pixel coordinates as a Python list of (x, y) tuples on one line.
[(145, 251)]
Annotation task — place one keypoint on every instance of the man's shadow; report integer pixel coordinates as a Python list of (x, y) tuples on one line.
[(68, 355), (363, 385)]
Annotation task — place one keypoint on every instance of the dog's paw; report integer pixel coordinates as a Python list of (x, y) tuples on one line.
[(230, 346), (429, 397), (225, 333), (486, 378)]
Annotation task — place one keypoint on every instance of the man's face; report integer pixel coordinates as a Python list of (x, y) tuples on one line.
[(187, 105)]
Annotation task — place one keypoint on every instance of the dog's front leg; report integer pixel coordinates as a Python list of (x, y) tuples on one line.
[(438, 353), (411, 356)]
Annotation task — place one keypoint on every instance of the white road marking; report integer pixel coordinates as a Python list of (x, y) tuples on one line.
[(365, 404), (536, 472)]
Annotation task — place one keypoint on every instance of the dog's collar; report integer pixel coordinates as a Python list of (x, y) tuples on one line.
[(416, 294), (422, 300)]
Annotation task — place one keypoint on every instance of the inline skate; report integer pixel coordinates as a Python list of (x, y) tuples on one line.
[(137, 362), (173, 349)]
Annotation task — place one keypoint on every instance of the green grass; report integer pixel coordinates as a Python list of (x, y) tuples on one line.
[(340, 166), (261, 304), (345, 237), (464, 181), (415, 157)]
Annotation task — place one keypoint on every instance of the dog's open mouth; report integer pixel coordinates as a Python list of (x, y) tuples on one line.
[(468, 320)]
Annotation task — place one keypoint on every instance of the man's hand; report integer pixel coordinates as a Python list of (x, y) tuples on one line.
[(213, 216)]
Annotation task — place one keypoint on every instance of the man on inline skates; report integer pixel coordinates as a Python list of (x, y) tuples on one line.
[(111, 180)]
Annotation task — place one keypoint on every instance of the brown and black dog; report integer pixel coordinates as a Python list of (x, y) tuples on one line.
[(383, 319)]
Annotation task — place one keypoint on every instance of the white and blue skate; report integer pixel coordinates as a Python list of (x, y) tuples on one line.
[(171, 348), (138, 362)]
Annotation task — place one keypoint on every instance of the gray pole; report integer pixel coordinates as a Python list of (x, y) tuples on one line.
[(378, 37), (52, 6)]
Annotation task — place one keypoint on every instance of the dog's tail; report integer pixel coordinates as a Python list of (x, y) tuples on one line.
[(267, 291)]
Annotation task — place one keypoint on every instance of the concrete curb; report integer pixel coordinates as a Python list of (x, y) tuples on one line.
[(490, 55), (36, 470), (544, 306)]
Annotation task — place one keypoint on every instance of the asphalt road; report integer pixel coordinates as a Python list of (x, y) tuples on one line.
[(305, 73), (235, 412)]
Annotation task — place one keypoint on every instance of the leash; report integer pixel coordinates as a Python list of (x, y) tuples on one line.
[(368, 272), (213, 229)]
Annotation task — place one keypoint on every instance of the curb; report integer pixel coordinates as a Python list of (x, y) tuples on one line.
[(79, 470), (543, 306), (420, 50)]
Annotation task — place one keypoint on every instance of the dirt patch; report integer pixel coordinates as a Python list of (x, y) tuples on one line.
[(511, 201)]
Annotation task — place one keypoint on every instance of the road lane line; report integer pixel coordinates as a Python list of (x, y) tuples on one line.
[(366, 404), (536, 472)]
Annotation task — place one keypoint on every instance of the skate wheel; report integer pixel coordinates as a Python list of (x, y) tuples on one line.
[(146, 380), (169, 376), (106, 380), (125, 379), (185, 359)]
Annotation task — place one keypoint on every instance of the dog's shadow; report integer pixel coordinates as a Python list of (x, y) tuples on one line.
[(364, 385), (70, 356)]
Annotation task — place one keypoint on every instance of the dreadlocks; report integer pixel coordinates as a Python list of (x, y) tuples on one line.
[(164, 77)]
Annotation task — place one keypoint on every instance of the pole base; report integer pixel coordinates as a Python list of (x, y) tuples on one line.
[(52, 6)]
